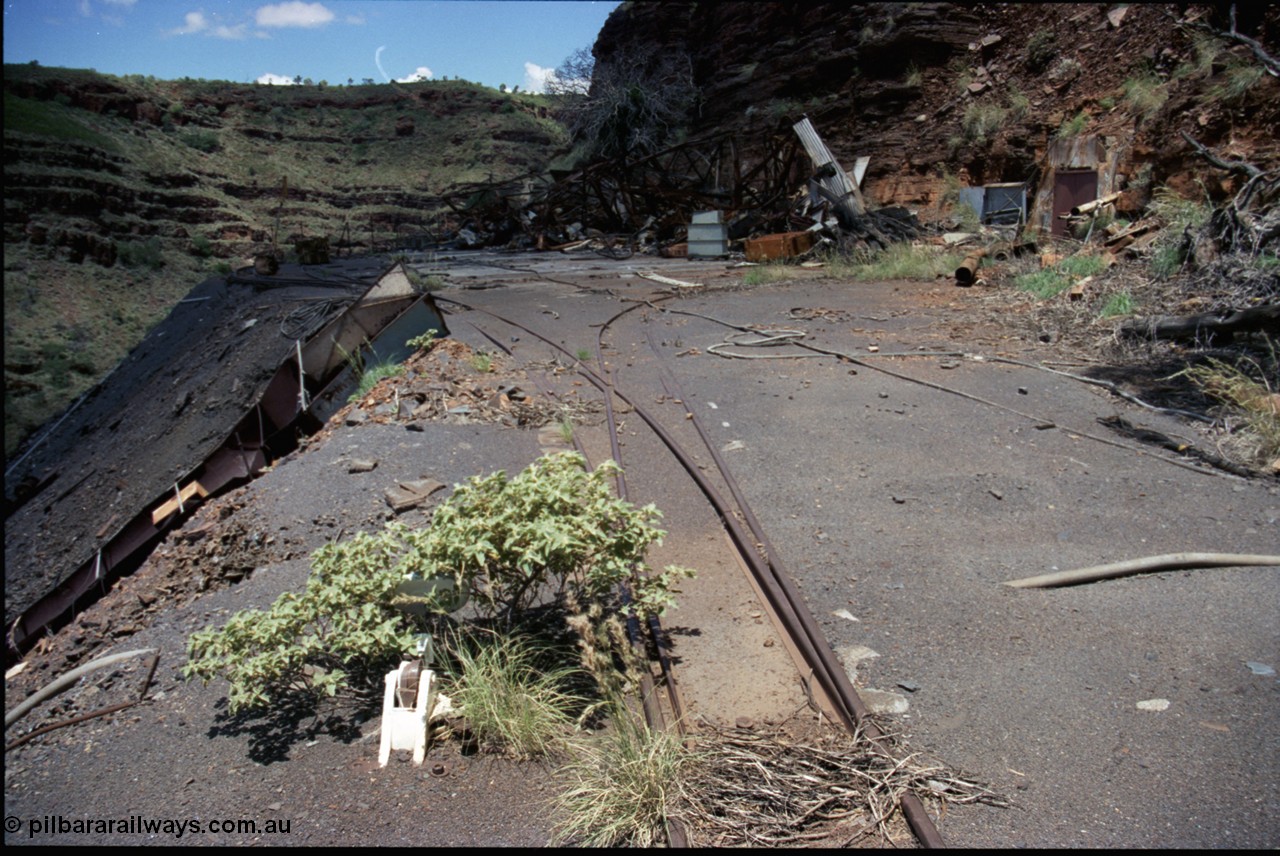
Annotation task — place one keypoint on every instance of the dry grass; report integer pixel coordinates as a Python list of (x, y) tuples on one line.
[(762, 790), (1249, 405)]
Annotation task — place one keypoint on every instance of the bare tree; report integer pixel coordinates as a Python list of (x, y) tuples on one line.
[(572, 78), (627, 107)]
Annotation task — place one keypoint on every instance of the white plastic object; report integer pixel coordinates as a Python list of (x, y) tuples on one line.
[(406, 727)]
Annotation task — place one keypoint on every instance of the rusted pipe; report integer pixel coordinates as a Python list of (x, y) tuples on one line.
[(967, 273)]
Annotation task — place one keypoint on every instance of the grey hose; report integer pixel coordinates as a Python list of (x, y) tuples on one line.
[(60, 684)]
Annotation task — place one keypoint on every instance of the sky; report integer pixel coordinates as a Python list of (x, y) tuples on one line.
[(494, 42)]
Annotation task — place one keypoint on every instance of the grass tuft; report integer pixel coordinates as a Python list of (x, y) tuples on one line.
[(1252, 405), (622, 786), (513, 695), (900, 261)]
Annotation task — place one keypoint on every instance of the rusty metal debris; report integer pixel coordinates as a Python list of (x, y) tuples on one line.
[(701, 197)]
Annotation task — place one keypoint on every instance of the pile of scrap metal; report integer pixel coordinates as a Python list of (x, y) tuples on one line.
[(647, 205)]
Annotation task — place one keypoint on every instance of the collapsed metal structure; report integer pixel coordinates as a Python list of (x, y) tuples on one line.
[(312, 373)]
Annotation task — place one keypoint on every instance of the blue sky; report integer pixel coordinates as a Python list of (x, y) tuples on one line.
[(485, 41)]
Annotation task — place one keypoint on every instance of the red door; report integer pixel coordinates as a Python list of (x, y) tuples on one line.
[(1071, 188)]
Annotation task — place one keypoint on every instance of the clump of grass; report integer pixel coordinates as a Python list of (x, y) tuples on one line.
[(584, 354), (1074, 126), (1054, 280), (982, 119), (482, 362), (566, 428), (1019, 104), (1120, 303), (914, 76), (898, 262), (622, 786), (515, 698), (370, 375), (1145, 95), (768, 274), (1238, 78), (1251, 402), (1180, 216)]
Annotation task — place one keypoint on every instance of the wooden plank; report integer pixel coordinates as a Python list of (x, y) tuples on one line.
[(184, 496)]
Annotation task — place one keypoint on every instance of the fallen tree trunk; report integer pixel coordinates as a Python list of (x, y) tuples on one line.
[(1264, 318)]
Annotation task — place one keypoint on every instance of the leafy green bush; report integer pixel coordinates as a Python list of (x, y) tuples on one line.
[(204, 141), (423, 342), (141, 254), (1042, 47), (552, 527), (506, 543), (341, 626)]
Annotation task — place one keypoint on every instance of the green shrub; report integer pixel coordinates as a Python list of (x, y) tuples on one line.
[(341, 626), (146, 254), (201, 246), (505, 543), (204, 141), (423, 342), (1042, 47), (553, 527)]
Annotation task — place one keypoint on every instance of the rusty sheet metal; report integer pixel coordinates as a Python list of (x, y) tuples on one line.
[(784, 245)]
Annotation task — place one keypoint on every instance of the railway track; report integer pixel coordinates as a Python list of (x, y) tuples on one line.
[(685, 440)]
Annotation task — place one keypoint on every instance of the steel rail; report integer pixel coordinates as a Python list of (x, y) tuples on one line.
[(769, 574)]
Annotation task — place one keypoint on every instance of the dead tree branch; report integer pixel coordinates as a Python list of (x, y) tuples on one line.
[(1233, 166)]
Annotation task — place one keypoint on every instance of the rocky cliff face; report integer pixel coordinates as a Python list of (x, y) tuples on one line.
[(941, 94)]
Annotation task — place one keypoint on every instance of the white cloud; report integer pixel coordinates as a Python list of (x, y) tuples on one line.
[(275, 80), (195, 23), (536, 77), (353, 19), (293, 14), (128, 4), (420, 73)]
